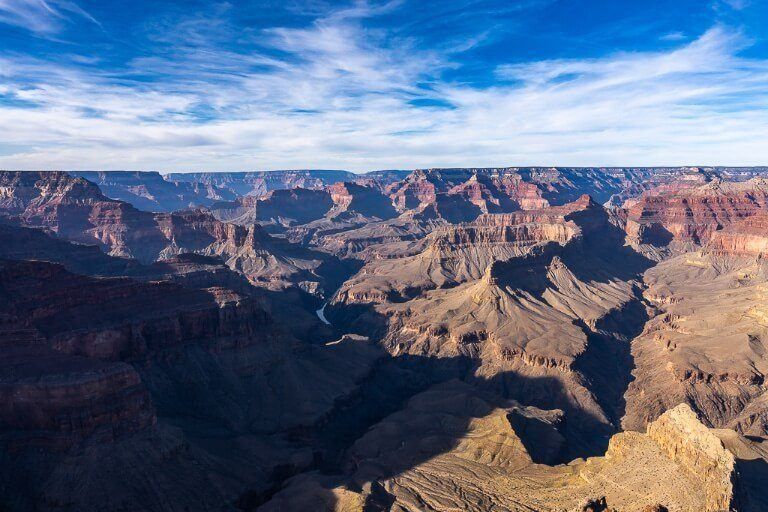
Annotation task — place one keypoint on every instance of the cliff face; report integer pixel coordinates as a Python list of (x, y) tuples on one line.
[(364, 200), (462, 194), (93, 369), (143, 318), (257, 183), (744, 237), (53, 401), (148, 191), (507, 189), (683, 438), (454, 254), (76, 210), (536, 293), (283, 207), (484, 460), (685, 215)]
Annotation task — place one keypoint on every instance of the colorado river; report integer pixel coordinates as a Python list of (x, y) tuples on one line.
[(321, 314)]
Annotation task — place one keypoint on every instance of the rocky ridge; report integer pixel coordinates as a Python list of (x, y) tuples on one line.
[(504, 344)]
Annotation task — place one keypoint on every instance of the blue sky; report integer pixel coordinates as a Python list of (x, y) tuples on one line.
[(174, 86)]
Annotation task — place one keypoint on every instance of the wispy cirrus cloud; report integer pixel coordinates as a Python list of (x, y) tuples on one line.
[(42, 17), (338, 93)]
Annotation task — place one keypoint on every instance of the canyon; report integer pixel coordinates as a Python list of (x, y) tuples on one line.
[(547, 339)]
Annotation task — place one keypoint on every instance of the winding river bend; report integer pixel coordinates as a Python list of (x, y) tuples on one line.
[(321, 314)]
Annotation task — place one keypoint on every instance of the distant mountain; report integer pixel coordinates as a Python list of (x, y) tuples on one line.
[(76, 210), (441, 339), (454, 194), (149, 191), (254, 183)]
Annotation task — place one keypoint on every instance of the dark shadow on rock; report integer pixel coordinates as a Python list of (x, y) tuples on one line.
[(656, 234), (379, 500), (607, 362), (335, 272), (543, 440), (362, 319), (751, 491), (396, 380), (601, 255)]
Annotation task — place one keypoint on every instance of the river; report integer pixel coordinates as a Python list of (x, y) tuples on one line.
[(321, 314)]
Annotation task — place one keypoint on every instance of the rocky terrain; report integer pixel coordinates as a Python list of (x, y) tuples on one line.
[(261, 182), (151, 192), (548, 339), (76, 210)]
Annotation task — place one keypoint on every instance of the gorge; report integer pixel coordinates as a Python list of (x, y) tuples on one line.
[(548, 339)]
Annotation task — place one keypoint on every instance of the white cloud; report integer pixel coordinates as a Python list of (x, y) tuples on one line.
[(737, 4), (673, 36), (337, 95), (42, 17)]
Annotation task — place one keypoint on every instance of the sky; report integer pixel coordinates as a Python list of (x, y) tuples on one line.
[(400, 84)]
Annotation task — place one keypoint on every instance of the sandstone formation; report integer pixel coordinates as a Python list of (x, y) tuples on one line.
[(554, 339), (149, 191), (682, 215), (93, 366), (76, 210), (260, 182), (450, 449)]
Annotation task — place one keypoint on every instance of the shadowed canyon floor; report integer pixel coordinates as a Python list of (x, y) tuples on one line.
[(548, 339)]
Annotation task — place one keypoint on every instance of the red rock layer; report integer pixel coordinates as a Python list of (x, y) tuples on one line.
[(75, 209), (746, 237), (149, 191), (684, 214), (365, 200), (54, 400), (121, 319)]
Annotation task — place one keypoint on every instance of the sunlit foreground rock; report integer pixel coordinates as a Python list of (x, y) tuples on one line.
[(450, 449)]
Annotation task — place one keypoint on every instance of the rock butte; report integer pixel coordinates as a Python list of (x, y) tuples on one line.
[(548, 339)]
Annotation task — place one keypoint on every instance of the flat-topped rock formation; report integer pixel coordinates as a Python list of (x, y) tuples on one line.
[(149, 191), (442, 339), (481, 462), (75, 209), (683, 215), (255, 183)]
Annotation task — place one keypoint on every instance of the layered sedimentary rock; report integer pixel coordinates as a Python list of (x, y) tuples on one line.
[(365, 200), (94, 369), (532, 298), (257, 183), (149, 191), (704, 345), (501, 331), (283, 207), (354, 237), (76, 210), (746, 237), (337, 204), (21, 243), (682, 215), (462, 194), (454, 254), (452, 449), (53, 401), (503, 189)]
